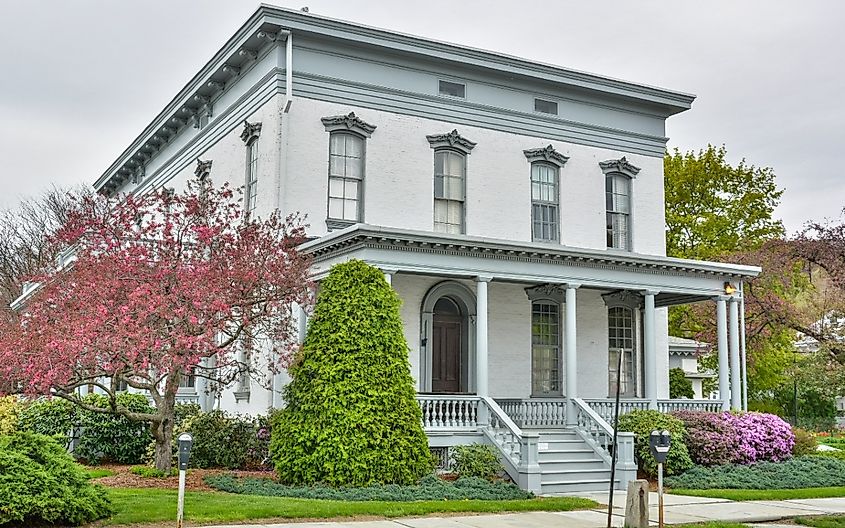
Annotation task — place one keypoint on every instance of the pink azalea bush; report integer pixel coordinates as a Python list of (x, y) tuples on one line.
[(736, 438)]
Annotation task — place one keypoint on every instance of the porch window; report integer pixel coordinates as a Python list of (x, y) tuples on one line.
[(544, 202), (618, 198), (449, 191), (346, 177), (545, 348), (620, 326)]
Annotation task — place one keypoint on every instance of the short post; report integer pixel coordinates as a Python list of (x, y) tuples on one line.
[(185, 441), (636, 506), (659, 442)]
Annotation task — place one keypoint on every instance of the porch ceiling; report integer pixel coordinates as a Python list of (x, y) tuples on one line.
[(678, 281)]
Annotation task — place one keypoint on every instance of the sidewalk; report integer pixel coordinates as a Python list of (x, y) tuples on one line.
[(678, 510)]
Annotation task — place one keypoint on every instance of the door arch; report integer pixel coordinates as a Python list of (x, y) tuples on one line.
[(447, 352)]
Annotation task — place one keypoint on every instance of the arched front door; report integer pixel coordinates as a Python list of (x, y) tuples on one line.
[(447, 341)]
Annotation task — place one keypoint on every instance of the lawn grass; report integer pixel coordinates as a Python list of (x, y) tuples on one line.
[(94, 473), (773, 494), (153, 505), (822, 521)]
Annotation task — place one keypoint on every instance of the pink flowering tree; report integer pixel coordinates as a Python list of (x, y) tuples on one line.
[(164, 285)]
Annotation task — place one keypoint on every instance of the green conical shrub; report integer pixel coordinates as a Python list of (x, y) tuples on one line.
[(351, 418)]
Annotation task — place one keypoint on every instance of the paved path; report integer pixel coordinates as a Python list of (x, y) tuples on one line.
[(678, 510)]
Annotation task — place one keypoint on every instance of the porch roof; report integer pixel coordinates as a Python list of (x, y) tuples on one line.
[(408, 251)]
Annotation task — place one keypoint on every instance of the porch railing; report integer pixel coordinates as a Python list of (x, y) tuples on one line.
[(604, 407), (689, 405), (595, 430), (536, 413), (448, 411)]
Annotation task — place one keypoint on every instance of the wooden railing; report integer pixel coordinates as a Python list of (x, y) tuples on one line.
[(599, 435), (605, 407), (448, 411), (536, 413), (689, 405)]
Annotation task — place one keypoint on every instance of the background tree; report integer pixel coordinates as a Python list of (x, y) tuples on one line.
[(679, 385), (352, 418), (164, 285)]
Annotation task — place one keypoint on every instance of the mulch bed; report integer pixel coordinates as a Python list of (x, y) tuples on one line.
[(123, 478)]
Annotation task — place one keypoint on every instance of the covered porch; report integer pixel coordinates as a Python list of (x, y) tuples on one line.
[(510, 339)]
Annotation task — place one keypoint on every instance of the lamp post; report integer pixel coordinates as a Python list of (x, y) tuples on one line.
[(185, 441), (659, 443)]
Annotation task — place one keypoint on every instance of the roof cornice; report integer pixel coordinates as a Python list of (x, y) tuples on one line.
[(363, 233)]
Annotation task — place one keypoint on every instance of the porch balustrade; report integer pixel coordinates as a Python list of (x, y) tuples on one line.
[(448, 411), (605, 407), (599, 434), (535, 413)]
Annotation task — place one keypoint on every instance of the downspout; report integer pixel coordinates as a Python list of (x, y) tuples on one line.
[(744, 361), (275, 397)]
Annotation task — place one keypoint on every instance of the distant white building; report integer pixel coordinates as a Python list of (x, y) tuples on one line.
[(517, 208), (683, 354)]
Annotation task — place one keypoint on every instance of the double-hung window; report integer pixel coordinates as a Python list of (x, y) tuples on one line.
[(620, 325), (449, 191), (545, 348), (249, 136), (545, 213), (618, 176), (346, 177), (347, 147), (450, 172)]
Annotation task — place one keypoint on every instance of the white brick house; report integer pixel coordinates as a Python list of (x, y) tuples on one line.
[(516, 208)]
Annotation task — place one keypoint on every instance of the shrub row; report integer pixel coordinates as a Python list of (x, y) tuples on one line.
[(428, 488), (41, 484), (799, 472), (223, 440)]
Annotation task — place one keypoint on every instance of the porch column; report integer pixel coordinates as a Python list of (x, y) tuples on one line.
[(733, 317), (570, 344), (388, 276), (481, 387), (650, 349), (722, 344)]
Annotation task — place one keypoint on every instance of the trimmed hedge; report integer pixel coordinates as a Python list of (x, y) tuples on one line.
[(41, 484), (799, 472), (429, 488), (642, 423), (352, 418)]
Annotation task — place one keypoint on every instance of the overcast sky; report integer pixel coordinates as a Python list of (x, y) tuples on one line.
[(80, 79)]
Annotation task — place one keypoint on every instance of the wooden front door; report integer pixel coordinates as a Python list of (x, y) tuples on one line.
[(446, 354)]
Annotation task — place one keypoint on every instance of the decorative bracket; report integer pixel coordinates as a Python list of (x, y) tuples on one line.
[(250, 132), (203, 169), (451, 140), (619, 166), (348, 123), (548, 154), (138, 174)]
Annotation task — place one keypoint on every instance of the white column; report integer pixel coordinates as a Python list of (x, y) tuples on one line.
[(570, 353), (722, 344), (388, 276), (650, 350), (733, 318), (481, 377)]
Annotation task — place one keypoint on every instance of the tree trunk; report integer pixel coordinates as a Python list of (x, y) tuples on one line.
[(163, 433)]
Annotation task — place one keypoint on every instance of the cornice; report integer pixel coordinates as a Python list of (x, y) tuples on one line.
[(547, 154), (453, 140), (619, 166), (348, 123)]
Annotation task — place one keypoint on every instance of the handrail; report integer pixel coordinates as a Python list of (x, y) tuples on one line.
[(520, 449)]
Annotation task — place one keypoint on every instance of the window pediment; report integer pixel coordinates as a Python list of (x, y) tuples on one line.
[(619, 166), (548, 154), (623, 299), (203, 169), (250, 132), (453, 140), (348, 123), (546, 292)]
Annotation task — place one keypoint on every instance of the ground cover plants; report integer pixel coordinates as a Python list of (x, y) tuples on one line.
[(799, 472)]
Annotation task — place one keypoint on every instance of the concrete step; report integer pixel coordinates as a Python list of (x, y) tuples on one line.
[(558, 436), (552, 466), (587, 484), (568, 475)]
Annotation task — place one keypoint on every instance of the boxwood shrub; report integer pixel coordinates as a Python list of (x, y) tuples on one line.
[(428, 488), (642, 423), (799, 472), (476, 460), (41, 484)]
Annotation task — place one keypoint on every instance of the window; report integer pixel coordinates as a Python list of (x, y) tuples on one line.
[(188, 381), (618, 199), (545, 107), (545, 216), (452, 89), (449, 179), (618, 175), (251, 190), (545, 348), (620, 325), (346, 175)]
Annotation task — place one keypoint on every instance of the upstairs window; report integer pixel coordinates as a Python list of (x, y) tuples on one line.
[(545, 213), (450, 167), (545, 107), (347, 148), (452, 89), (249, 136), (619, 175)]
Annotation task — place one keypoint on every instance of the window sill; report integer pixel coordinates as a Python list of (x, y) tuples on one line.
[(241, 396), (335, 224)]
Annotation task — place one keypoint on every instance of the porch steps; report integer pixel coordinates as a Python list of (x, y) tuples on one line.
[(568, 464)]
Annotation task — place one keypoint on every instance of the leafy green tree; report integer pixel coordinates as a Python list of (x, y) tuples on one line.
[(351, 417), (713, 208), (679, 385)]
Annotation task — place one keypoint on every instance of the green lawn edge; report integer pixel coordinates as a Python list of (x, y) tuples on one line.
[(155, 505), (774, 494)]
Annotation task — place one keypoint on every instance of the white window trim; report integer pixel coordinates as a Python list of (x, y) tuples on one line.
[(621, 167)]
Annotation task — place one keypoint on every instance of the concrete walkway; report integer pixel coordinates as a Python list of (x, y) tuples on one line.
[(678, 510)]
